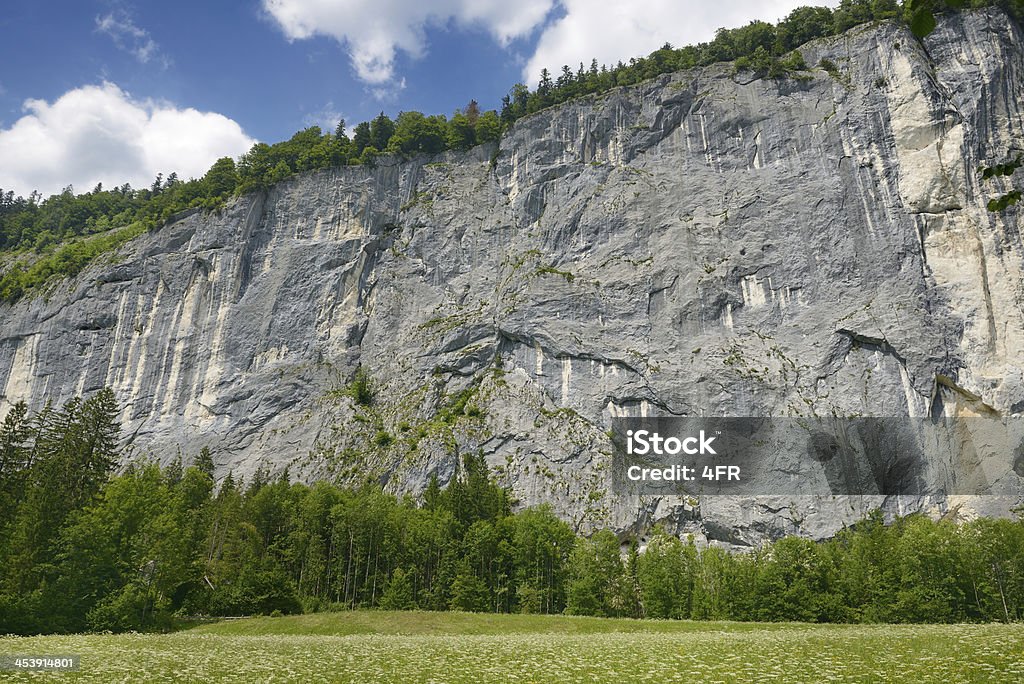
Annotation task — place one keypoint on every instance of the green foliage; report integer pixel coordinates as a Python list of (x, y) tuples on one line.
[(133, 551), (81, 549), (381, 130), (920, 14), (56, 462), (915, 570), (27, 275), (794, 62), (461, 133), (204, 462), (922, 22), (222, 178), (802, 25), (829, 66), (597, 578), (361, 138), (1006, 169), (1005, 201), (415, 133), (665, 574), (16, 454), (399, 594), (469, 592), (126, 609), (361, 388), (543, 270), (541, 544), (488, 127), (279, 173)]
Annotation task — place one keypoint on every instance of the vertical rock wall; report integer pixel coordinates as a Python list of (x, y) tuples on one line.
[(705, 243)]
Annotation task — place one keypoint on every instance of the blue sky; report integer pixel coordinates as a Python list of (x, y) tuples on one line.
[(115, 90)]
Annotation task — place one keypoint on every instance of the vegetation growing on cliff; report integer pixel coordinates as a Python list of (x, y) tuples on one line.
[(95, 550), (37, 225), (67, 259)]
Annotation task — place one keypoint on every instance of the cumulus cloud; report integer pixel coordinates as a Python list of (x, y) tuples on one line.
[(619, 30), (374, 31), (131, 38), (99, 133)]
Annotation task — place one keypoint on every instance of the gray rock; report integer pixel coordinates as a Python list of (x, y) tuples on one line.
[(704, 243)]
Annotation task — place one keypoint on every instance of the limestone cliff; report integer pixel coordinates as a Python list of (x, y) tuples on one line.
[(706, 243)]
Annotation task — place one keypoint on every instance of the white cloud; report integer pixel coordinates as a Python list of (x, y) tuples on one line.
[(100, 133), (619, 30), (388, 92), (132, 39), (327, 118), (374, 31)]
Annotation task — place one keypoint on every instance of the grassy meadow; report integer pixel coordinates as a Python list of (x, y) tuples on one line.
[(462, 647)]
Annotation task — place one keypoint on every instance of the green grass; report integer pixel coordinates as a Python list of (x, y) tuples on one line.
[(425, 623), (454, 647)]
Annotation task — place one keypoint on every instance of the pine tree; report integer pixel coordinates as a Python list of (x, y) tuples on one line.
[(15, 461), (204, 462), (361, 138), (399, 593), (381, 130)]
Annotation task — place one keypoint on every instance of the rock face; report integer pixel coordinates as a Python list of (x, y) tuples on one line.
[(706, 243)]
